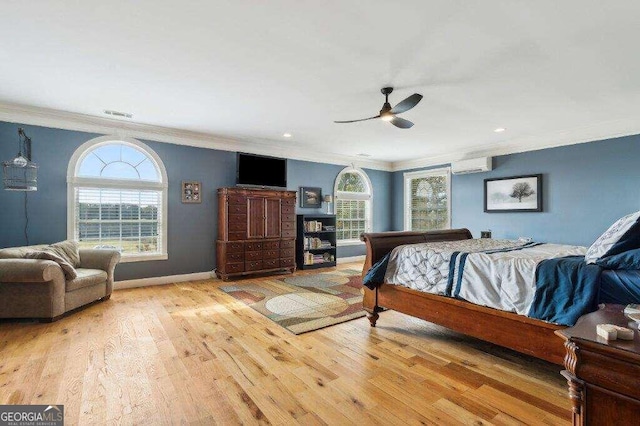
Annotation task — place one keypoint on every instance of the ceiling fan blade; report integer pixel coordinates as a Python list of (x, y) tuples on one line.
[(355, 121), (407, 104), (401, 123)]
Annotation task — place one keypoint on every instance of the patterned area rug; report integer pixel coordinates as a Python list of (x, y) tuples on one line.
[(305, 302)]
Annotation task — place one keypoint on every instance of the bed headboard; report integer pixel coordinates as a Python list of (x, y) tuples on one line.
[(381, 243)]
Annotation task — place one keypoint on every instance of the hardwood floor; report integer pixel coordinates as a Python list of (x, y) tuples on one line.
[(190, 354)]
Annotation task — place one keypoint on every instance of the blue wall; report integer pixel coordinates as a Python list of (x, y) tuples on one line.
[(586, 187), (192, 228)]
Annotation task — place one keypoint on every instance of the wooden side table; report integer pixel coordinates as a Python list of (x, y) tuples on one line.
[(603, 376)]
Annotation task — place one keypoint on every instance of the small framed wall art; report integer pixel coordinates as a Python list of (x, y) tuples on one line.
[(191, 191), (513, 194), (310, 197)]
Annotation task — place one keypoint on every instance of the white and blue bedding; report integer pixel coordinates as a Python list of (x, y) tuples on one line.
[(551, 282)]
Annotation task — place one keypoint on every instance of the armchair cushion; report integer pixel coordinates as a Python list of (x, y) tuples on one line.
[(86, 278)]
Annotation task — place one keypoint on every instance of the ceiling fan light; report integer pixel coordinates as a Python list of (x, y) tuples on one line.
[(387, 117)]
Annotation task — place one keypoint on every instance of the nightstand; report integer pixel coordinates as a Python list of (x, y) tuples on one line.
[(603, 376)]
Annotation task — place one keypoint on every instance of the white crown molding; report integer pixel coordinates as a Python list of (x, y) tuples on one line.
[(46, 117), (167, 279), (592, 133)]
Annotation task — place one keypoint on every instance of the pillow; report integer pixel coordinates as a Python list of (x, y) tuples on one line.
[(68, 250), (626, 260), (69, 271), (623, 235)]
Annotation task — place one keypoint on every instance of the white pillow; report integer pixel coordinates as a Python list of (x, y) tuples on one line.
[(623, 235)]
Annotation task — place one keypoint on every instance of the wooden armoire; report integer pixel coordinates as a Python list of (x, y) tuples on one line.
[(256, 231)]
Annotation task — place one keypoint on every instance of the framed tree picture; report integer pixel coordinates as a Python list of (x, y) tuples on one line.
[(310, 197), (191, 192), (513, 194)]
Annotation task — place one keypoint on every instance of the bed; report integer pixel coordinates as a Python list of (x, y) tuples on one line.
[(509, 325)]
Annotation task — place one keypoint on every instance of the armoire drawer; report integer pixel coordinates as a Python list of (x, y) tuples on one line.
[(237, 199), (268, 245), (253, 246), (290, 261), (235, 257), (290, 252), (271, 263), (271, 254), (288, 226), (287, 244), (253, 265), (237, 209), (252, 255), (231, 268), (235, 247)]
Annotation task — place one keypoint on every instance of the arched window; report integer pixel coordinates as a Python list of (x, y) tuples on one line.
[(353, 195), (117, 189)]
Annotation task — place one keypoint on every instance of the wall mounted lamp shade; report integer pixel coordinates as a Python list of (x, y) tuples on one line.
[(20, 174), (328, 198)]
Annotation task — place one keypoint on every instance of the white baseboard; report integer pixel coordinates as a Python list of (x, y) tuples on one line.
[(167, 279), (351, 259), (170, 279)]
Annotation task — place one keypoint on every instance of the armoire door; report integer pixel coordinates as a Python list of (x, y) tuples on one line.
[(272, 221), (256, 217)]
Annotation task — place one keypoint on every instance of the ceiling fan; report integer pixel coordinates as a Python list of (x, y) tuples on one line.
[(390, 114)]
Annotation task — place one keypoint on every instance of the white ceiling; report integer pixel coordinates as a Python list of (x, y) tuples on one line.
[(551, 72)]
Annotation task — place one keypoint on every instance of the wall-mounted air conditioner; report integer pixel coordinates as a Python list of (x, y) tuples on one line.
[(473, 165)]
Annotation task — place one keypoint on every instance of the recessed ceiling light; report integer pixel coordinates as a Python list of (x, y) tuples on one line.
[(287, 135), (118, 113), (362, 154), (500, 130)]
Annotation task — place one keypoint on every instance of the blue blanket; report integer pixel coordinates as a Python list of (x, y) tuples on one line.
[(566, 288)]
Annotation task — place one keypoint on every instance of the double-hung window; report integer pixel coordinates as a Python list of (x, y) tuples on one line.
[(118, 199), (427, 196), (353, 195)]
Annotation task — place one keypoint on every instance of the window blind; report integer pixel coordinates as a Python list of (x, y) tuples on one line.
[(128, 220), (351, 216)]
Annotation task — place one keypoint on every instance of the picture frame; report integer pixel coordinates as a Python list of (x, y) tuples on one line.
[(514, 194), (191, 192), (310, 197)]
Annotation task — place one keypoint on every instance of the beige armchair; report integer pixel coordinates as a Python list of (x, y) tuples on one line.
[(35, 288)]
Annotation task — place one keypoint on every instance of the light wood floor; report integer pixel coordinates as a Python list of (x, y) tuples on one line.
[(190, 354)]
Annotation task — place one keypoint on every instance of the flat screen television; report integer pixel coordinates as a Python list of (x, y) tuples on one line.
[(261, 171)]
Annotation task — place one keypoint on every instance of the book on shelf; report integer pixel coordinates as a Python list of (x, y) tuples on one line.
[(315, 258), (312, 226), (315, 243)]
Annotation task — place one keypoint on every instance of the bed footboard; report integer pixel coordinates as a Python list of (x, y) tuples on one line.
[(380, 243)]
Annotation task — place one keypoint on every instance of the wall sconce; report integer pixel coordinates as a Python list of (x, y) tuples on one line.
[(20, 174), (328, 198)]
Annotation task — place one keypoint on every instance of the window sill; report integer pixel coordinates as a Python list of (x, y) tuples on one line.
[(143, 258), (344, 243)]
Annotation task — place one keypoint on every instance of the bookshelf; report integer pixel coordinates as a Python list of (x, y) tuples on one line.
[(316, 241)]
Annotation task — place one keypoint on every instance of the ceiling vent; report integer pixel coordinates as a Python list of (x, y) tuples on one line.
[(473, 165)]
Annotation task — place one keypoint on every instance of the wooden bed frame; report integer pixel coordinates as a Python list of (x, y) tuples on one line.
[(526, 335)]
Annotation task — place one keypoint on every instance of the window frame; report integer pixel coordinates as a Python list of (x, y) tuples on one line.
[(74, 181), (409, 176), (360, 196)]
